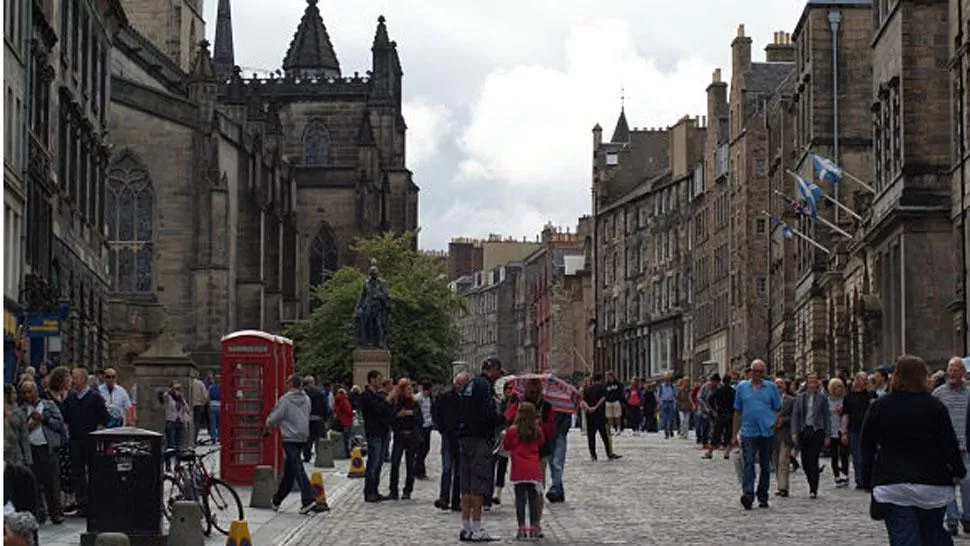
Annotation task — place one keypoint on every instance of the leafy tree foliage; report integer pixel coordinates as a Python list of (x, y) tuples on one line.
[(423, 340)]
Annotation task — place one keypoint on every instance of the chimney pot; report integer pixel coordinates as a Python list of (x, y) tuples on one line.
[(717, 75), (741, 31)]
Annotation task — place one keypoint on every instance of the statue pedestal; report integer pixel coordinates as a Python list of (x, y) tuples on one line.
[(366, 360)]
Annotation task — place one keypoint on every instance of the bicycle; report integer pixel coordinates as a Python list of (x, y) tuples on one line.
[(190, 480)]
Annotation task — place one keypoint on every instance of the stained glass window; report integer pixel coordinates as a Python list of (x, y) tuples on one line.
[(323, 259), (130, 212), (316, 144)]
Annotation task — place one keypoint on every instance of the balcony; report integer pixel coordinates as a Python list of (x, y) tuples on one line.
[(722, 162)]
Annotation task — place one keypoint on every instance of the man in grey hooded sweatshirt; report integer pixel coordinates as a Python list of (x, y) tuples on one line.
[(292, 415)]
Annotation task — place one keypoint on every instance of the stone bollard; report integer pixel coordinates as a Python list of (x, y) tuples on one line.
[(112, 539), (337, 445), (324, 454), (264, 487), (185, 526)]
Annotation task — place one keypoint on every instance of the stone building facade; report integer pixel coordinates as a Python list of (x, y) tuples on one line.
[(644, 183), (959, 65), (833, 119), (16, 46), (711, 271), (230, 198), (344, 137), (531, 310), (488, 323)]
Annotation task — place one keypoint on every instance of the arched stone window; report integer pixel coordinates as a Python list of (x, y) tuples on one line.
[(316, 144), (131, 223), (323, 257)]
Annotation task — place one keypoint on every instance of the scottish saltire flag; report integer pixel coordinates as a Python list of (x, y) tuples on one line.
[(810, 194), (563, 397), (827, 169), (786, 230)]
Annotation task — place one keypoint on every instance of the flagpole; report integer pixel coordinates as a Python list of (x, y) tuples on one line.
[(857, 181), (841, 206), (834, 227), (824, 222), (803, 236)]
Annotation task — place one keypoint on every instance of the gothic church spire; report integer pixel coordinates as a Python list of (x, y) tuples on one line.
[(224, 56), (310, 52)]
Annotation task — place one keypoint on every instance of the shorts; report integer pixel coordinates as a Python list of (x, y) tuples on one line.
[(614, 410), (476, 466), (723, 425)]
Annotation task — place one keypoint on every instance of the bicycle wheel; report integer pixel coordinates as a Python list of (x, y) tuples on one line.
[(171, 493), (223, 505)]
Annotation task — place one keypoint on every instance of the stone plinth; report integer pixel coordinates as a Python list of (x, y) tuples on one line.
[(155, 369), (366, 360)]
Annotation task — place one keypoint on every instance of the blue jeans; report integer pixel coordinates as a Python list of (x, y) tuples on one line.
[(214, 421), (908, 526), (348, 434), (703, 423), (174, 431), (293, 470), (557, 463), (751, 447), (855, 449), (953, 514), (375, 461), (668, 417)]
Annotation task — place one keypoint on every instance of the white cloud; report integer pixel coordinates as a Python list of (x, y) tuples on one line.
[(501, 95), (428, 125), (528, 135)]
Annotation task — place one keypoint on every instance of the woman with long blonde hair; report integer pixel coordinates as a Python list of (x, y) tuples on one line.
[(406, 427)]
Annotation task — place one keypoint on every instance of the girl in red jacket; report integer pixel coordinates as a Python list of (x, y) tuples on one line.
[(522, 441)]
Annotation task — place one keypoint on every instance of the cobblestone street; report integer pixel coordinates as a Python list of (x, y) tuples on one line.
[(660, 492)]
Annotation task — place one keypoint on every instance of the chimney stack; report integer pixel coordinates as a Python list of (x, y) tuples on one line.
[(781, 50), (740, 53)]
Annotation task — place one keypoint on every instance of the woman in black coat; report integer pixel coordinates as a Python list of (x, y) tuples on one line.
[(910, 458)]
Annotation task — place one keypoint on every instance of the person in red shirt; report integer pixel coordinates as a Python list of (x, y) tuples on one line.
[(523, 441), (345, 416), (634, 405)]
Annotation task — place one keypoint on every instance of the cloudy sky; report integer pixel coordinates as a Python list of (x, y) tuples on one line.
[(501, 95)]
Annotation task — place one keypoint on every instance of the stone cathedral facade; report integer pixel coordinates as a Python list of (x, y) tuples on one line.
[(230, 197)]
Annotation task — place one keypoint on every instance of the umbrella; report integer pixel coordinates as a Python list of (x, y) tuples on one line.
[(562, 396), (500, 385)]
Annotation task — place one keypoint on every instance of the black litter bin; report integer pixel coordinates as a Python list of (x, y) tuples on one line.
[(125, 488)]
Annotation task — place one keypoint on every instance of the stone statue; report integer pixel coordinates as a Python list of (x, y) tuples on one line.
[(373, 311)]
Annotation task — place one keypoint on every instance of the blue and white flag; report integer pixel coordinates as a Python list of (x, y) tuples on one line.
[(810, 194), (786, 230), (827, 169)]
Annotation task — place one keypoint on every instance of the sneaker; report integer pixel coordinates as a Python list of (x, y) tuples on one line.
[(319, 507), (307, 508), (275, 505), (614, 456), (440, 504), (966, 527), (953, 529), (465, 535), (747, 502), (522, 533), (782, 493), (406, 496), (763, 504), (813, 495), (480, 535)]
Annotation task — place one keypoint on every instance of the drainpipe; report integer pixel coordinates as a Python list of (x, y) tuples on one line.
[(768, 232), (835, 18)]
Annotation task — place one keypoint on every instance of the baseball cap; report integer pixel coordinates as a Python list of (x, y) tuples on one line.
[(492, 363)]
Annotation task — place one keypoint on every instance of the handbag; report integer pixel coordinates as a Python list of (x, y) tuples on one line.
[(499, 446), (875, 509)]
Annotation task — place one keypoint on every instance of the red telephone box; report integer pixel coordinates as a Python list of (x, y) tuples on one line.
[(254, 369)]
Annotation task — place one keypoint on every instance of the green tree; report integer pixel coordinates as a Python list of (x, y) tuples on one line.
[(423, 340)]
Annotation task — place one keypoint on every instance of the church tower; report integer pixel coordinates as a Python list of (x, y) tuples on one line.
[(311, 54), (224, 56)]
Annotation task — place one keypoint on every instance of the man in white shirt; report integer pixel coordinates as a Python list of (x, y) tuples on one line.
[(115, 398)]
